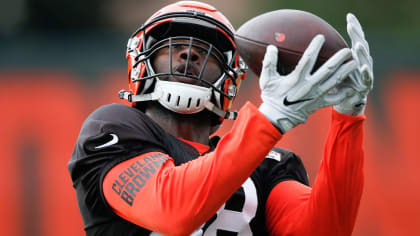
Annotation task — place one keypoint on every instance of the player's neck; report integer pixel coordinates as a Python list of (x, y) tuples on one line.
[(194, 127)]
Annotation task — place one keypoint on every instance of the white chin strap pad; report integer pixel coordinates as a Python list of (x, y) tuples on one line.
[(182, 98)]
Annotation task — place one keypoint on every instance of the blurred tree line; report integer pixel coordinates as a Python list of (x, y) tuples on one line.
[(89, 27), (399, 17)]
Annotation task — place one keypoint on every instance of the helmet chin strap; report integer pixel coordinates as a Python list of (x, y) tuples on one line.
[(180, 98)]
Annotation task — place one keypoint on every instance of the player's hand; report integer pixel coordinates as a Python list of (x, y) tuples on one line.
[(360, 80), (288, 100)]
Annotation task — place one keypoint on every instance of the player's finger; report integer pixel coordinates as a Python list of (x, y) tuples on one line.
[(355, 34), (327, 69), (339, 76), (352, 19), (269, 65), (330, 66), (355, 31), (270, 58), (317, 90), (338, 97), (308, 59), (362, 54), (367, 76)]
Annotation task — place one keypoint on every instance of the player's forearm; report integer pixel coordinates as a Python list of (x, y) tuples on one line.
[(339, 184), (345, 156), (184, 197), (330, 207)]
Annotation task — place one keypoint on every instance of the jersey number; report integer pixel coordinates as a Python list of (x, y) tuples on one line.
[(234, 216)]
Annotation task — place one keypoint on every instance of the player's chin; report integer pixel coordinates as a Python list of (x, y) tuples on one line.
[(185, 80)]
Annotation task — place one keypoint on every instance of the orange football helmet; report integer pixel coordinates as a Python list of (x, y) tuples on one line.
[(195, 22)]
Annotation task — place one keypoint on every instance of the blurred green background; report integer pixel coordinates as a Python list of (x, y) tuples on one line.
[(89, 37), (47, 33), (59, 60)]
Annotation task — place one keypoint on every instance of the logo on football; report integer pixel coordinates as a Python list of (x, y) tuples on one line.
[(279, 37)]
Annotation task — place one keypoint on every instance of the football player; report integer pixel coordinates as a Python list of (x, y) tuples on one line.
[(151, 168)]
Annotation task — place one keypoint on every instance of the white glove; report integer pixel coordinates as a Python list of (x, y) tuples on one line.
[(360, 80), (288, 100)]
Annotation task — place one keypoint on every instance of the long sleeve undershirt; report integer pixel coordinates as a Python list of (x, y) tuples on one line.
[(331, 206)]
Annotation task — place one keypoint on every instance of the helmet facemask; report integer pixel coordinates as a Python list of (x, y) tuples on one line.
[(184, 69)]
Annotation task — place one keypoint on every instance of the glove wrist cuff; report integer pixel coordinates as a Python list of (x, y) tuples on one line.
[(277, 118), (350, 111)]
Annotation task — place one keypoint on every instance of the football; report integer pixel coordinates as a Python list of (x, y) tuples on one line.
[(291, 31)]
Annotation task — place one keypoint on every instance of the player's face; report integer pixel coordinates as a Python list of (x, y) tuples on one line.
[(161, 63)]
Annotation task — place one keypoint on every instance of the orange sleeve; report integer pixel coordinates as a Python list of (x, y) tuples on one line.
[(331, 206), (176, 200)]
